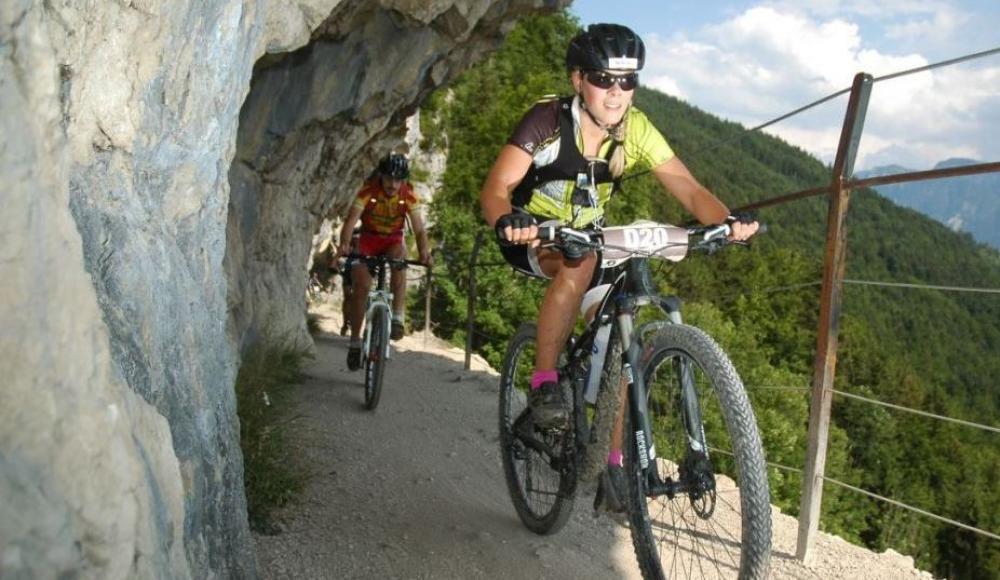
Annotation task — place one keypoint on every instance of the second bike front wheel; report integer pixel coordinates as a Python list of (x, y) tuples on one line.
[(375, 358), (541, 485), (706, 513)]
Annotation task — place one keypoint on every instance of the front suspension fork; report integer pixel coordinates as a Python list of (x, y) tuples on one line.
[(697, 460)]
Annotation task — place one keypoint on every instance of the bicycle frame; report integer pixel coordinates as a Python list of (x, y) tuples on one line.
[(619, 307), (670, 377)]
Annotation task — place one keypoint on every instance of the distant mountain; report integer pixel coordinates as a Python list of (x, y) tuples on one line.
[(968, 204)]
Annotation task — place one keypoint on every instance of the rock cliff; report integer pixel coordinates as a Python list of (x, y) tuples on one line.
[(164, 166)]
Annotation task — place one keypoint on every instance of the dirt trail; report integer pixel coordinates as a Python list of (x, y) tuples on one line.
[(415, 489)]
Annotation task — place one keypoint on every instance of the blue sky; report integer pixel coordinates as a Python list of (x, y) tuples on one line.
[(753, 61)]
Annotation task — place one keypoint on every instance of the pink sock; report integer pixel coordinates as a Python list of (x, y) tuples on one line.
[(616, 458), (543, 377)]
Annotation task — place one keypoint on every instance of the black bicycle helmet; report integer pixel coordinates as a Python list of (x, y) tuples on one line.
[(606, 47), (394, 165)]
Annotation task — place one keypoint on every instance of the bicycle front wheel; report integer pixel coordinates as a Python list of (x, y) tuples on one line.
[(375, 357), (702, 509), (536, 464)]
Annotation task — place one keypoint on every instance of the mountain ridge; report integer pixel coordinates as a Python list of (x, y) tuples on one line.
[(965, 204)]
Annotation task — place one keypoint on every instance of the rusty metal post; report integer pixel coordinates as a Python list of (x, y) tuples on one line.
[(470, 313), (835, 259)]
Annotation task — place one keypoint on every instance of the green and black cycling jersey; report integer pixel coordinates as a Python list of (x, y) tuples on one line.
[(561, 183)]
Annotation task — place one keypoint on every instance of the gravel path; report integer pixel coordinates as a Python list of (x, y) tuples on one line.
[(415, 489)]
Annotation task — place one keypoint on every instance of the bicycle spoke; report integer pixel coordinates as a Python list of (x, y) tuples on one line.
[(699, 532)]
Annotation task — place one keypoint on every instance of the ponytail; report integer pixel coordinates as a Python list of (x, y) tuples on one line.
[(616, 165)]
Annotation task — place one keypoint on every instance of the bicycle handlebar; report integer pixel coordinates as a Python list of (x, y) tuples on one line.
[(374, 260), (714, 237)]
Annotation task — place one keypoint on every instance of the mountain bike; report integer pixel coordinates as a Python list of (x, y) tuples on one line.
[(697, 497), (375, 345)]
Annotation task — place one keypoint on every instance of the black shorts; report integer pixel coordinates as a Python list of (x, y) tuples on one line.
[(524, 259)]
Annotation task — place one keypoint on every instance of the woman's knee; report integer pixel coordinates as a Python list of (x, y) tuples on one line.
[(578, 272)]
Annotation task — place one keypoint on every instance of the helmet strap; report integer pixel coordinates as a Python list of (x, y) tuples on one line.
[(604, 126)]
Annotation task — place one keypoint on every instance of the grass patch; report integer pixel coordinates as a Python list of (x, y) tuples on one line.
[(263, 386)]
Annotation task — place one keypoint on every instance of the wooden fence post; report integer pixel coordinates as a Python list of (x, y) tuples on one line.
[(834, 262)]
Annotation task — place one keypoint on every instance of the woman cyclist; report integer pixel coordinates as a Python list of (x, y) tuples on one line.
[(562, 163)]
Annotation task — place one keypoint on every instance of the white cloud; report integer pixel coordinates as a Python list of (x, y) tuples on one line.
[(769, 60), (930, 116), (664, 84), (937, 27), (883, 9)]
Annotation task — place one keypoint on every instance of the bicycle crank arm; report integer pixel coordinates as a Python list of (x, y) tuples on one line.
[(671, 488), (522, 429)]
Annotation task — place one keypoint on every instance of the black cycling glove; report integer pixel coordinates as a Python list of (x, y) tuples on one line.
[(515, 220), (743, 217)]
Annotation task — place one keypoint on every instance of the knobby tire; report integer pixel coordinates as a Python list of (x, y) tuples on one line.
[(375, 358), (542, 496), (680, 537)]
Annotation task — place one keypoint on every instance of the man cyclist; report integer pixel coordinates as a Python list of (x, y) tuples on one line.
[(562, 163), (383, 204)]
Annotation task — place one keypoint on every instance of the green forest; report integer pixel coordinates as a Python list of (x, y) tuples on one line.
[(922, 349)]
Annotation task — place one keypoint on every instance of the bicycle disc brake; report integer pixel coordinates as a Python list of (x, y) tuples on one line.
[(699, 475)]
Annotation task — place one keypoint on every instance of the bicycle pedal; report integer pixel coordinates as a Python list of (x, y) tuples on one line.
[(551, 429)]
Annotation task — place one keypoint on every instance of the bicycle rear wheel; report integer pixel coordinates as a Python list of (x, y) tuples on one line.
[(375, 357), (704, 514), (541, 483)]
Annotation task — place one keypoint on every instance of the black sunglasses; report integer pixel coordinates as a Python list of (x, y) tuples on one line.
[(603, 80)]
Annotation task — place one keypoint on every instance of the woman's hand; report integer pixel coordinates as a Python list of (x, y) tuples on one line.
[(744, 225), (517, 228)]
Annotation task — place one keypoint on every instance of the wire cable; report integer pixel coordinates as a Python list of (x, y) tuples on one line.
[(911, 508), (916, 411), (922, 286), (937, 64)]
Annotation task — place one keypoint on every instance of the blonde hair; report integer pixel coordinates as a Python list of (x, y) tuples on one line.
[(616, 165)]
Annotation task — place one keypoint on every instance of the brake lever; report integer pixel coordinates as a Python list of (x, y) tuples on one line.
[(719, 231)]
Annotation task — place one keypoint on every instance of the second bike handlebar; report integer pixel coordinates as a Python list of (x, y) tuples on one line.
[(374, 260)]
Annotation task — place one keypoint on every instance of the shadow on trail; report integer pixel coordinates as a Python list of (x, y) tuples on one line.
[(415, 489)]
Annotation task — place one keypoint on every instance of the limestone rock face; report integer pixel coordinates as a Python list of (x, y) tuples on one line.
[(164, 166), (433, 161), (316, 121), (90, 484)]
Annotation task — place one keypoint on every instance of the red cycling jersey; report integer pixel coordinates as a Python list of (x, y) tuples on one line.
[(384, 215)]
